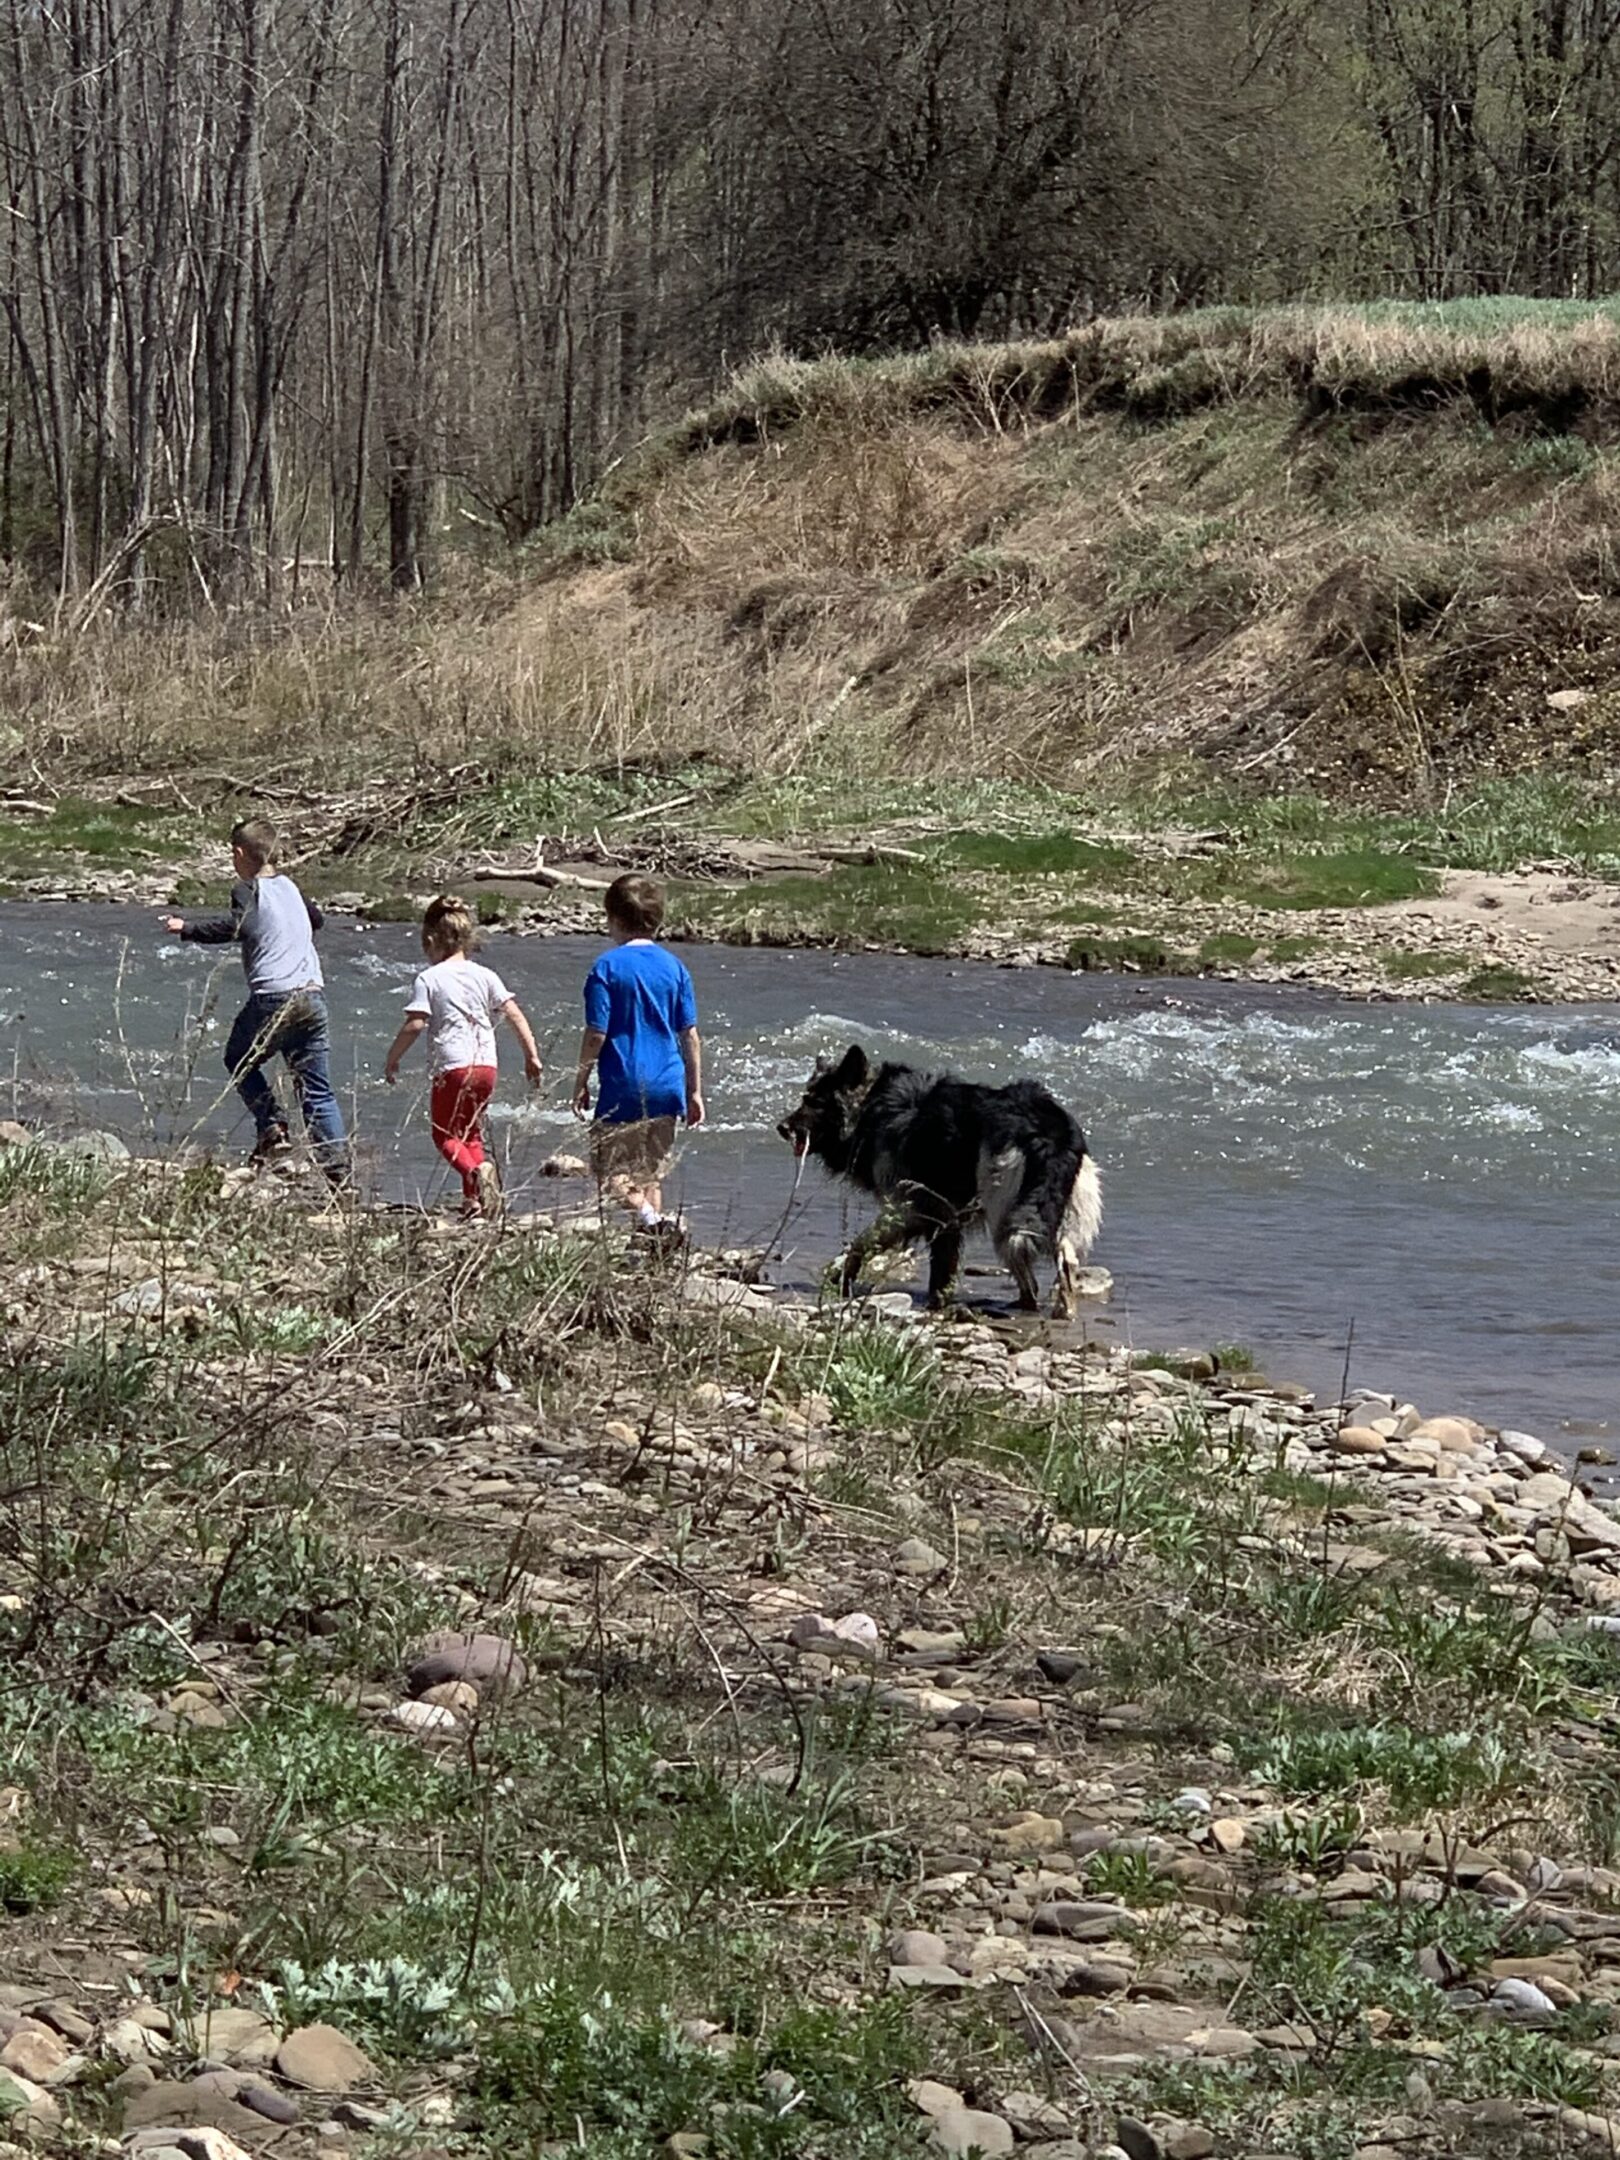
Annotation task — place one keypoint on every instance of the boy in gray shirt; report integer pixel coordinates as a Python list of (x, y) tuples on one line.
[(285, 1012)]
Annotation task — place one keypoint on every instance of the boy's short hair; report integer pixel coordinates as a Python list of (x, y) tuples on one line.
[(635, 903), (449, 925), (257, 838)]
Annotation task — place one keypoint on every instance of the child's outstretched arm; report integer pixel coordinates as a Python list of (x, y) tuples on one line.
[(411, 1027), (214, 929), (512, 1014), (692, 1059), (590, 1049)]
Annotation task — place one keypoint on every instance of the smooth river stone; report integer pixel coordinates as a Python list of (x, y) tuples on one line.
[(1357, 1440)]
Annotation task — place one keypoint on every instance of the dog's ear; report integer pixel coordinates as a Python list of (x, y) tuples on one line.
[(852, 1068)]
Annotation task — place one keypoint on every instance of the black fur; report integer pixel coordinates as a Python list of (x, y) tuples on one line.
[(945, 1155)]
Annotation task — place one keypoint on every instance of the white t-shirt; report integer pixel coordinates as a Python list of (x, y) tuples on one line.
[(462, 1000)]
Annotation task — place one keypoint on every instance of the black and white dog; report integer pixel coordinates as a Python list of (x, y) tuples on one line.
[(945, 1155)]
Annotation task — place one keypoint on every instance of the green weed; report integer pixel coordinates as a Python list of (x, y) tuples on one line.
[(1039, 854), (853, 905), (881, 1377), (1497, 985), (1228, 948), (1420, 1772), (1345, 878), (616, 2078), (1127, 956), (1317, 1842), (1131, 1877), (33, 1875), (1423, 966)]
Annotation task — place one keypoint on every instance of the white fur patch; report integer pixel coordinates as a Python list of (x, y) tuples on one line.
[(1082, 1214)]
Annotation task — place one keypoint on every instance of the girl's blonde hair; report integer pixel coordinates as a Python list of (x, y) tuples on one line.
[(449, 926)]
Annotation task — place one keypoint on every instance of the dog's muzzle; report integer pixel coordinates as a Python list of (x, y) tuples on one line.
[(798, 1141)]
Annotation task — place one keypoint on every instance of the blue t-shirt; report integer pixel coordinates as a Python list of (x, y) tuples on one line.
[(641, 998)]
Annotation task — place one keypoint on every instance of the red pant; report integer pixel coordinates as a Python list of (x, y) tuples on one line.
[(459, 1098)]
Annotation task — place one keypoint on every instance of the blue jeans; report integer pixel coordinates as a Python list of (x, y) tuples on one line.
[(290, 1024)]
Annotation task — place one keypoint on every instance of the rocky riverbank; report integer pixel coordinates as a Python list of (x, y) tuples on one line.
[(472, 1691), (1373, 920)]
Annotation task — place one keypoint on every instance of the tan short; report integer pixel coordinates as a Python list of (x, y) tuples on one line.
[(640, 1153)]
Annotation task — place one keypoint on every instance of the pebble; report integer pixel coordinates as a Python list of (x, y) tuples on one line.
[(233, 2031), (1523, 2001), (1357, 1440), (916, 1946), (128, 2041), (355, 2115), (928, 1642), (1136, 2140), (1033, 2117), (856, 1634), (970, 2130), (322, 2059), (1458, 1436), (915, 1557), (486, 1661), (25, 2105), (1029, 1832), (425, 1717), (459, 1697), (36, 2053), (174, 2109), (70, 2022), (1601, 2130), (1188, 2141), (1524, 1446), (1081, 1922)]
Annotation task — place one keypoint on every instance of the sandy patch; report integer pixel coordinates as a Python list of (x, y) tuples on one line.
[(1569, 917)]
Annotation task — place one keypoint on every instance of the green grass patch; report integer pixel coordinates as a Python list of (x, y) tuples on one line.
[(1127, 956), (882, 904), (1039, 854), (33, 1876), (1423, 966), (613, 2077), (79, 831), (1228, 948), (1421, 1772), (1343, 878), (1497, 985)]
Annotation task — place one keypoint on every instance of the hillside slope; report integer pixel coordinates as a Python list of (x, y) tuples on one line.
[(1300, 548)]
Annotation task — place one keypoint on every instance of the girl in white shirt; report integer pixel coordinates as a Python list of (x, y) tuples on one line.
[(456, 1001)]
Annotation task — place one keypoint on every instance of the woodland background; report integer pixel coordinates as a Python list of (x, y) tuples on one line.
[(295, 291)]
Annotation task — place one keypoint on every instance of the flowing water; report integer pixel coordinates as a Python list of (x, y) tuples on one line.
[(1280, 1168)]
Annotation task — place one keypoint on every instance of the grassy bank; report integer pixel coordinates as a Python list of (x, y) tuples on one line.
[(1344, 548), (656, 1897), (1173, 644), (1154, 880)]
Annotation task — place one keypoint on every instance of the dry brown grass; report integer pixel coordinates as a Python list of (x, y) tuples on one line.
[(1352, 546)]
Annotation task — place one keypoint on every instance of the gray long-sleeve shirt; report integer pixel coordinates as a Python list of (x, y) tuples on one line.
[(275, 927)]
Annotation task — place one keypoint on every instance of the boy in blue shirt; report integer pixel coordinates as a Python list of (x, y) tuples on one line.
[(641, 1039)]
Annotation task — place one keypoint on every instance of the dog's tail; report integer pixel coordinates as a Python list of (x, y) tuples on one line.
[(1077, 1233)]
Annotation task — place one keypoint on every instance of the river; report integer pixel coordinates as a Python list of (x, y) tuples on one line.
[(1281, 1168)]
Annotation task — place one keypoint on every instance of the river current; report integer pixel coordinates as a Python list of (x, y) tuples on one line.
[(1434, 1186)]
